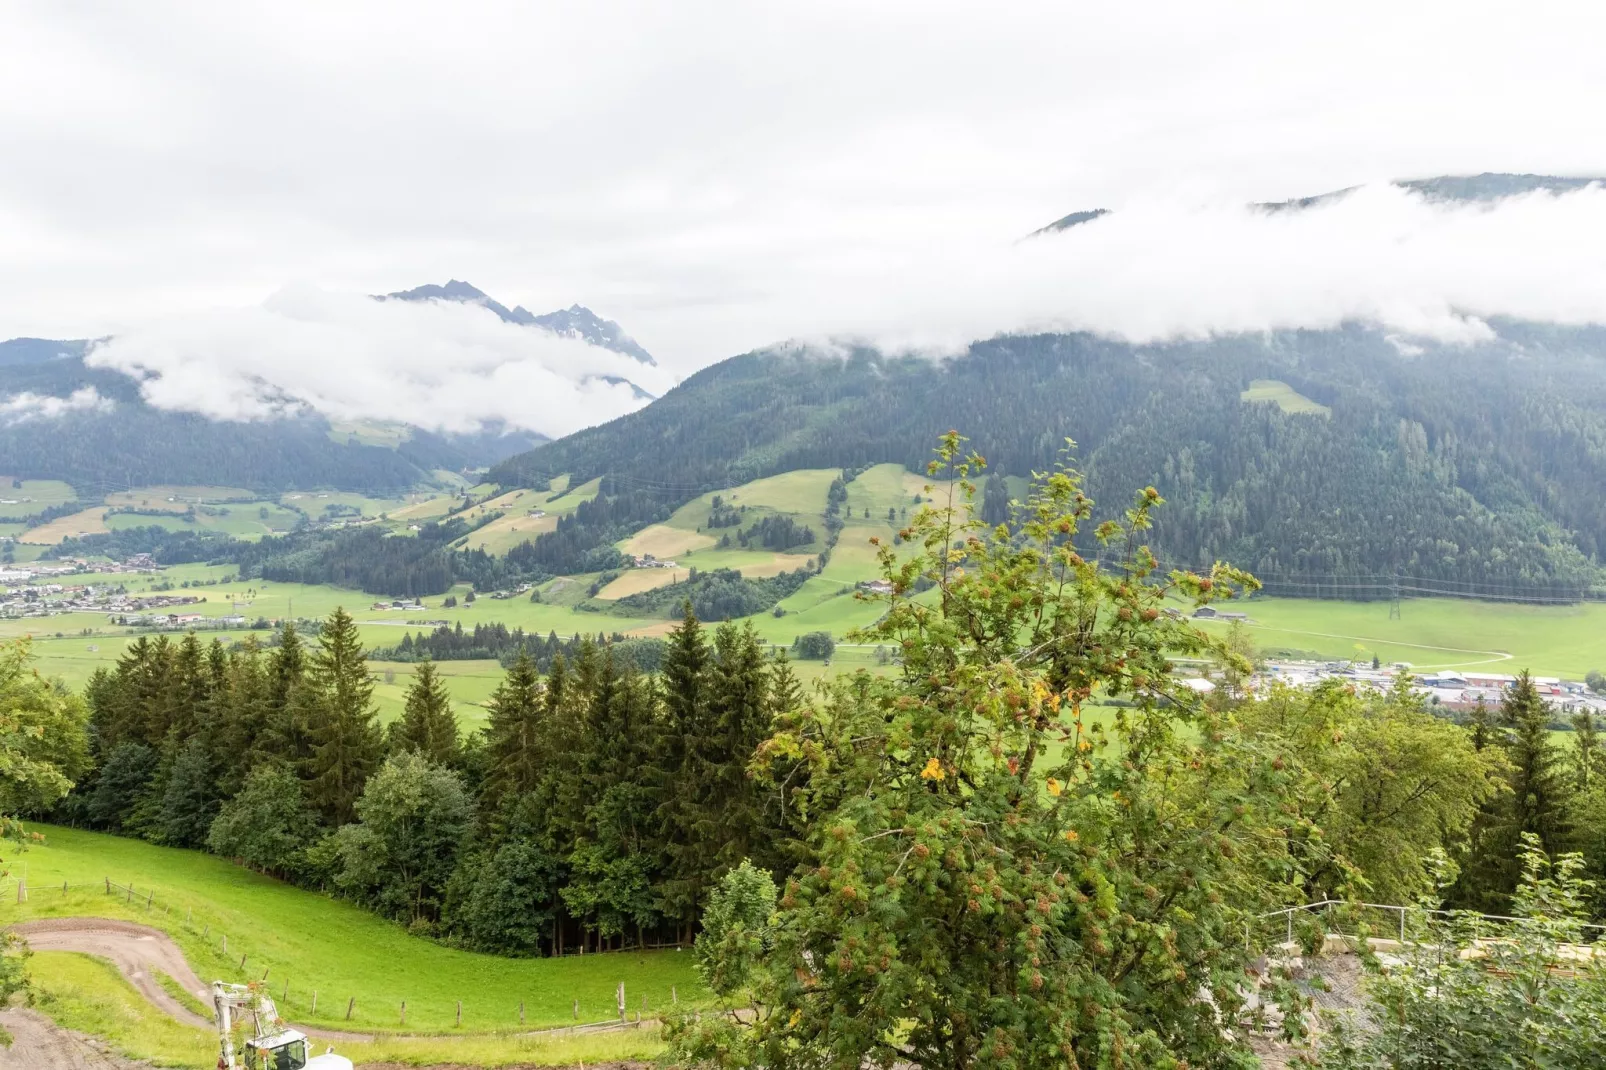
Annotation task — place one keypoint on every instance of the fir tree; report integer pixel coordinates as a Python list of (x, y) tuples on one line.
[(428, 726), (513, 734), (1541, 793), (680, 763), (346, 741), (1588, 757)]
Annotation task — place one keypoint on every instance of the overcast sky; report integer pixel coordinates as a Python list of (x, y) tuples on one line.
[(718, 176)]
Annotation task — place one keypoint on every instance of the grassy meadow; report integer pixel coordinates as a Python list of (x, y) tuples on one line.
[(315, 943)]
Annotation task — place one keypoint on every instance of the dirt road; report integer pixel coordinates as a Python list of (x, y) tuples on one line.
[(40, 1044), (137, 951)]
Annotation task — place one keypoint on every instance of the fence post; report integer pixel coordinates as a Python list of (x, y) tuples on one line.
[(242, 963), (1402, 926), (351, 1006), (521, 1012), (286, 997), (314, 1002), (674, 997), (577, 1010), (149, 899), (225, 943), (404, 1012), (22, 892), (621, 998), (1290, 926), (265, 972), (206, 931), (459, 1012), (63, 887), (108, 886)]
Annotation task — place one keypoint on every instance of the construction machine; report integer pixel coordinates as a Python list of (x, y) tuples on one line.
[(272, 1045)]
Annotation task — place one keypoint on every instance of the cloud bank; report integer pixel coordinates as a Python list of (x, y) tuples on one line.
[(1157, 270), (19, 408), (1162, 270), (440, 365)]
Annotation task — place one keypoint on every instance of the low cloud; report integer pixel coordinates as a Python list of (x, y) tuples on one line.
[(1155, 271), (439, 365), (19, 408)]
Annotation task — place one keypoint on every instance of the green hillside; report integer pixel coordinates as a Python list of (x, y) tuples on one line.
[(317, 943), (1317, 456)]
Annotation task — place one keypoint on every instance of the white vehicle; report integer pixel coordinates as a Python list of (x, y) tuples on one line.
[(272, 1045)]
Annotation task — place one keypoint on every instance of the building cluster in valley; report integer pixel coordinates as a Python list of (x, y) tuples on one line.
[(1450, 690)]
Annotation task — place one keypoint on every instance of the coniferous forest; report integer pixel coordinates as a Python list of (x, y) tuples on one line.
[(1465, 466)]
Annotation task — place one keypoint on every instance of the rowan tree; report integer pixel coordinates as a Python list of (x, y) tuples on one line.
[(997, 879)]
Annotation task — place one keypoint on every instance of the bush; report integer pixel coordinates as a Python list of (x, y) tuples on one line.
[(814, 646), (735, 928)]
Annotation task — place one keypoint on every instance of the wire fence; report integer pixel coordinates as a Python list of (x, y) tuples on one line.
[(1311, 923)]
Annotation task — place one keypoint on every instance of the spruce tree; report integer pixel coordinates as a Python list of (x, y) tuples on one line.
[(288, 735), (1539, 802), (1588, 757), (513, 740), (428, 726), (739, 720), (679, 768), (346, 741), (1541, 793)]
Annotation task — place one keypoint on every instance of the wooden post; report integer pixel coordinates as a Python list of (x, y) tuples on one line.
[(131, 895), (63, 887), (404, 1012), (577, 1010), (521, 1012), (674, 997), (108, 886), (459, 1012), (351, 1006), (205, 931), (149, 899), (314, 1002), (285, 998), (225, 943), (21, 891), (265, 973), (242, 963), (621, 999)]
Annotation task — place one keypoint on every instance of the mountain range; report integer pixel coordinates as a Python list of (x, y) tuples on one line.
[(1330, 460)]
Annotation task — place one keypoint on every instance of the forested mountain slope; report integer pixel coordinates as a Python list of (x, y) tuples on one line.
[(1481, 464)]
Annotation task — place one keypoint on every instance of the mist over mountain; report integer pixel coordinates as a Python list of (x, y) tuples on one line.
[(1329, 458), (280, 397), (1487, 187)]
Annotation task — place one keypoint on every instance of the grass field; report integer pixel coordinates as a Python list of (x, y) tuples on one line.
[(43, 494), (174, 499), (87, 994), (1438, 633), (316, 943), (243, 520), (1283, 396), (90, 521)]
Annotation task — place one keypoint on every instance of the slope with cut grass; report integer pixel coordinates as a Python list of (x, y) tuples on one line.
[(87, 994), (313, 943)]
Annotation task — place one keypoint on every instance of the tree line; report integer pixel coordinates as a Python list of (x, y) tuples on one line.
[(592, 809)]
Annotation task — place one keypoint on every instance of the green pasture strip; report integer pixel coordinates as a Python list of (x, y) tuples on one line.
[(1503, 637), (314, 943), (88, 995)]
